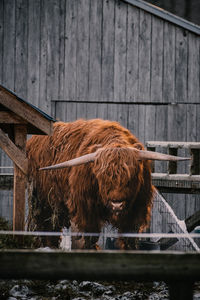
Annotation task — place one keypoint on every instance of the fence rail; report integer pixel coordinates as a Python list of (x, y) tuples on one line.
[(180, 270), (171, 181)]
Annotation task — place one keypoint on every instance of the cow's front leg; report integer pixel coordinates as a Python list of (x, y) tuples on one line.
[(83, 241), (91, 242), (128, 243)]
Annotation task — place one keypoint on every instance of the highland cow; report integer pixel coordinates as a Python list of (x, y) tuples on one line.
[(99, 172)]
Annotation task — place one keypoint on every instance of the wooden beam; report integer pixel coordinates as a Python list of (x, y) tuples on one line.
[(178, 269), (169, 144), (7, 117), (100, 265), (17, 156), (165, 15), (176, 183), (193, 221), (20, 133), (25, 111)]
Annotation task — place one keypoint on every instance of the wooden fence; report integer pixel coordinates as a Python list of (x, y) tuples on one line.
[(118, 60), (179, 270)]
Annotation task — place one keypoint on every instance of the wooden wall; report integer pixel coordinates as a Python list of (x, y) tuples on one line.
[(108, 59)]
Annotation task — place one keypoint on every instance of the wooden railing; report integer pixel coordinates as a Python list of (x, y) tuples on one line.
[(171, 181), (178, 270)]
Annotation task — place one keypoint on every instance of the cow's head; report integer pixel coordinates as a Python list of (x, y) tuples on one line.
[(119, 172)]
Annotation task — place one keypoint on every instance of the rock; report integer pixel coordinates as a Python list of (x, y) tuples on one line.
[(85, 285), (196, 296), (19, 291), (129, 296), (98, 289), (108, 293)]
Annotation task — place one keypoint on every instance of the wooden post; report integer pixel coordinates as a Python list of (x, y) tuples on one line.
[(172, 165), (20, 133), (181, 290)]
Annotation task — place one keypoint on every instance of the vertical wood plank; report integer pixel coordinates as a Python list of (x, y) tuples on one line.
[(161, 116), (161, 121), (112, 112), (53, 15), (161, 129), (157, 60), (197, 202), (133, 112), (176, 132), (141, 123), (91, 111), (95, 49), (144, 56), (177, 122), (1, 69), (150, 123), (21, 55), (70, 111), (8, 63), (181, 65), (108, 37), (1, 38), (132, 79), (191, 117), (20, 133), (193, 68), (71, 21), (120, 51), (60, 111), (62, 19), (83, 49), (66, 111), (102, 111), (122, 117), (9, 46), (192, 201), (43, 56), (81, 110), (198, 122), (169, 63), (33, 78)]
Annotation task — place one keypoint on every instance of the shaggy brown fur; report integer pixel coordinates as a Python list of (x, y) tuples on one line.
[(83, 194)]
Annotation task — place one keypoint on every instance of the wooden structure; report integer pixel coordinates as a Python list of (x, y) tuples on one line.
[(167, 179), (180, 270), (17, 119), (122, 60), (171, 181)]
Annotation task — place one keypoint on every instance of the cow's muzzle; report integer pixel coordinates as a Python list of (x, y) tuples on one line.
[(117, 206)]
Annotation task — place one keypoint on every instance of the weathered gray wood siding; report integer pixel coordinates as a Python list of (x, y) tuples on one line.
[(95, 50), (108, 59)]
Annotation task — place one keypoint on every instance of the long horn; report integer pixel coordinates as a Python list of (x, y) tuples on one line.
[(151, 155), (142, 155), (73, 162)]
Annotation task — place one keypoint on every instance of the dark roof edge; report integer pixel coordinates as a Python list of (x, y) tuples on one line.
[(31, 105), (159, 12)]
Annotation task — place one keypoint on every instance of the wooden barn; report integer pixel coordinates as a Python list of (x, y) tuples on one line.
[(122, 60)]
